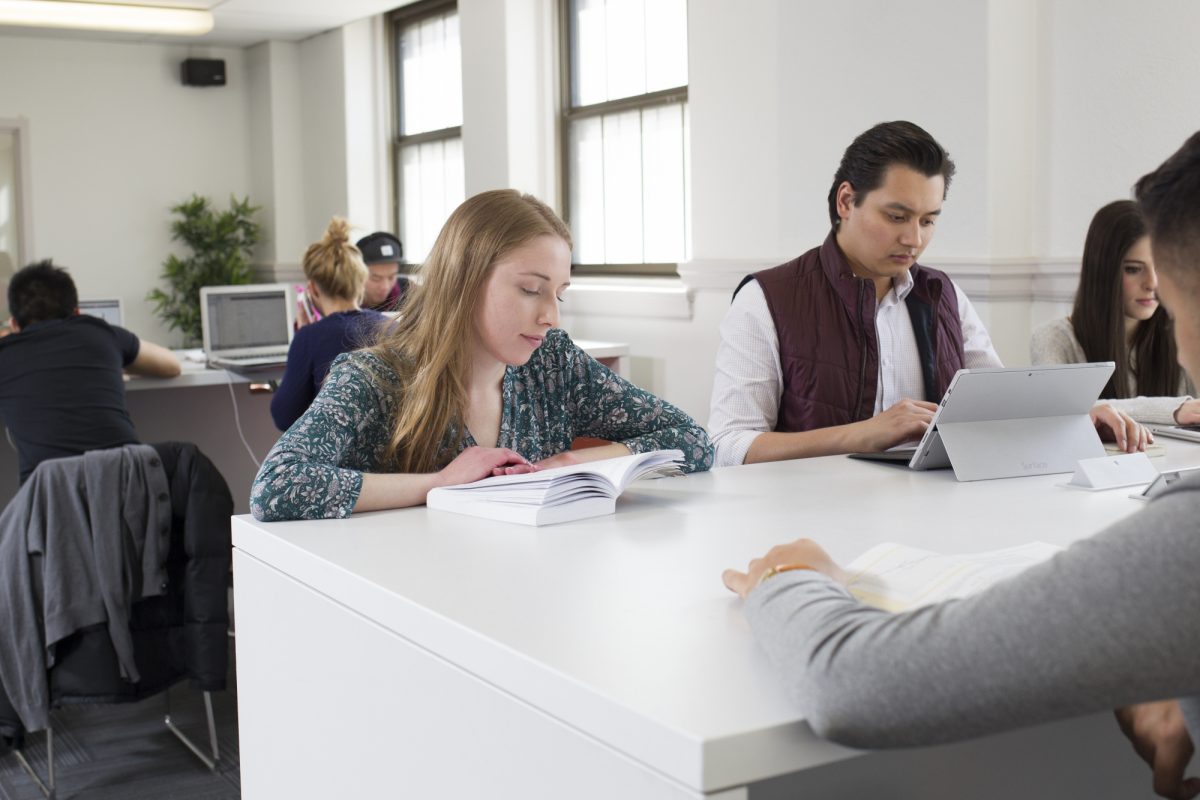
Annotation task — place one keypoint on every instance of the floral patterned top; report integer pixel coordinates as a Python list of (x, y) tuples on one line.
[(315, 469)]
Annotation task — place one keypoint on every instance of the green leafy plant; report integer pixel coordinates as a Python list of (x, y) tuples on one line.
[(221, 244)]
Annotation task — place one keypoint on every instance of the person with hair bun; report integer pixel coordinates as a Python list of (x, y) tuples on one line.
[(1117, 317), (473, 379), (336, 277)]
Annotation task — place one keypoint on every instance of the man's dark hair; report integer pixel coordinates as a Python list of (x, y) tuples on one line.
[(1169, 198), (40, 292), (868, 157)]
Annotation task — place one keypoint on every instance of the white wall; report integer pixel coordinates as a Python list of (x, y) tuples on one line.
[(1123, 96), (116, 140)]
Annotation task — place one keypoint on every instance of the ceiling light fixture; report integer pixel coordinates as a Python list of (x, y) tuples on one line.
[(105, 17)]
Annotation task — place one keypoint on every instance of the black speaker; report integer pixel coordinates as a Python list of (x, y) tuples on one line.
[(203, 72)]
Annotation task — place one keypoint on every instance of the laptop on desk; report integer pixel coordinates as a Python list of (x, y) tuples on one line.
[(1190, 433), (1010, 422), (247, 327), (108, 310)]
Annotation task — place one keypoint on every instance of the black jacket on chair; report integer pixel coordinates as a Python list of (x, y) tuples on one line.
[(180, 634)]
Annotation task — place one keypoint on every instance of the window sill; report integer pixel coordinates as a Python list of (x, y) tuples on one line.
[(655, 298)]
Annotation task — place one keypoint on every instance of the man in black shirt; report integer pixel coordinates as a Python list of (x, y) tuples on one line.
[(61, 388)]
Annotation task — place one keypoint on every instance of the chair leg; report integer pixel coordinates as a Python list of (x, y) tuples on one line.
[(211, 763), (46, 787)]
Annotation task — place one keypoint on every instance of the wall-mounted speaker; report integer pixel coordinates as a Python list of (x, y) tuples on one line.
[(203, 72)]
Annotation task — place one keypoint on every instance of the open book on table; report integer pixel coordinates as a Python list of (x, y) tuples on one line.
[(896, 577), (555, 495)]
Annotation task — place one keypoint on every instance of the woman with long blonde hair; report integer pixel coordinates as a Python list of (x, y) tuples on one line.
[(473, 379), (336, 280)]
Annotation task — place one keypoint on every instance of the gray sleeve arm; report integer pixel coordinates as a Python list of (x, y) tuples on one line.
[(1109, 622)]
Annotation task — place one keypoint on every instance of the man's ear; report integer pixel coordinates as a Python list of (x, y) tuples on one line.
[(12, 323), (844, 199)]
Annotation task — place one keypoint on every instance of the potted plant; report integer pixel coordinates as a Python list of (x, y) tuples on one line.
[(221, 243)]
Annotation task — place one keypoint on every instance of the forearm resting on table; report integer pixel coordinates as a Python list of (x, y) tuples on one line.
[(381, 491), (154, 361), (776, 446)]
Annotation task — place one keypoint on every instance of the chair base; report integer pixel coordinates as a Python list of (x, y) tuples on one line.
[(47, 786)]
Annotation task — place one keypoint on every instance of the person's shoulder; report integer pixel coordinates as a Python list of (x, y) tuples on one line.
[(1056, 331), (362, 367)]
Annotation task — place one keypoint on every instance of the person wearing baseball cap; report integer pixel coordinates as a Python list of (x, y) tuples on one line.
[(382, 254)]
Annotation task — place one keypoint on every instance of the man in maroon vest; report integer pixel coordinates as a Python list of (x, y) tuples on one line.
[(849, 347)]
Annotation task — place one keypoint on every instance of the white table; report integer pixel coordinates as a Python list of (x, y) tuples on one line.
[(417, 653)]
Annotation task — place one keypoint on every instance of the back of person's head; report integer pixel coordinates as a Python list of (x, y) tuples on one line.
[(41, 292), (866, 161), (335, 265), (1098, 316), (430, 344), (1169, 198)]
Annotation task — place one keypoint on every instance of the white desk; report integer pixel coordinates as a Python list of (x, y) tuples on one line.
[(424, 654)]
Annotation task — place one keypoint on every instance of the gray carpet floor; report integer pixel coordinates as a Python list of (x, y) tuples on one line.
[(125, 752)]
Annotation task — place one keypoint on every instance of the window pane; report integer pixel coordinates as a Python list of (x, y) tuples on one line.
[(587, 190), (430, 75), (431, 179), (626, 48), (623, 48), (629, 198), (590, 54), (623, 187), (666, 39), (663, 179)]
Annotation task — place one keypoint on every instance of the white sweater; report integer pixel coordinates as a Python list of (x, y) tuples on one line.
[(1055, 343)]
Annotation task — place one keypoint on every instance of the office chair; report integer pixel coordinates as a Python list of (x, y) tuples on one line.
[(176, 632)]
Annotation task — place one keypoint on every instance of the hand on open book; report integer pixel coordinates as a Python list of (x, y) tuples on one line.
[(1117, 426), (1160, 737), (476, 463), (802, 554), (905, 421)]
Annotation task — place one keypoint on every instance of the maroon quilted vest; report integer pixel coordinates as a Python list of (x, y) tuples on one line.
[(828, 351)]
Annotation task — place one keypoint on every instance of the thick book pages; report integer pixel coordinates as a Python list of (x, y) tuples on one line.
[(895, 577), (555, 495)]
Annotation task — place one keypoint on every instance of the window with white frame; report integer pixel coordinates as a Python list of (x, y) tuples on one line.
[(626, 134), (428, 153)]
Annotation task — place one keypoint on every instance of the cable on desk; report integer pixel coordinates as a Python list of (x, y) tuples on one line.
[(237, 419), (11, 443)]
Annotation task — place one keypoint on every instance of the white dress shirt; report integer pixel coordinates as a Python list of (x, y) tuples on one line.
[(748, 383)]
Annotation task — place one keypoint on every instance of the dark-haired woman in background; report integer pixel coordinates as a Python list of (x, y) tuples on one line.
[(1117, 317)]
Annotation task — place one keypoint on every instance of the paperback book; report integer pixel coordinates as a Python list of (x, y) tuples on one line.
[(555, 495), (896, 577)]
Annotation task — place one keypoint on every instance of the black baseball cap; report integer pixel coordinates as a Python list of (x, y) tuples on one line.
[(381, 247)]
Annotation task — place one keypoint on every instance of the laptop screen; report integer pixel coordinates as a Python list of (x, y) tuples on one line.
[(107, 310), (248, 319)]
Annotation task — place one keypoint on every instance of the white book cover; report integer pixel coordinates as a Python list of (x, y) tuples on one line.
[(896, 577), (555, 495)]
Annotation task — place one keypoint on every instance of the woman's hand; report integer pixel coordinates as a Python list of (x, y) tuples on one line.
[(475, 463), (1188, 413), (1117, 426), (801, 553)]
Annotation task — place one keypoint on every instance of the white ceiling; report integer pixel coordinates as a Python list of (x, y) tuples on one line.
[(241, 23)]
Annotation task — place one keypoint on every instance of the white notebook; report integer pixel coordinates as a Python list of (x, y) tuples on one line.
[(555, 495), (896, 577)]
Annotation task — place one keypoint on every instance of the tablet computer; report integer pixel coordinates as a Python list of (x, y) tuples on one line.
[(1011, 421)]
